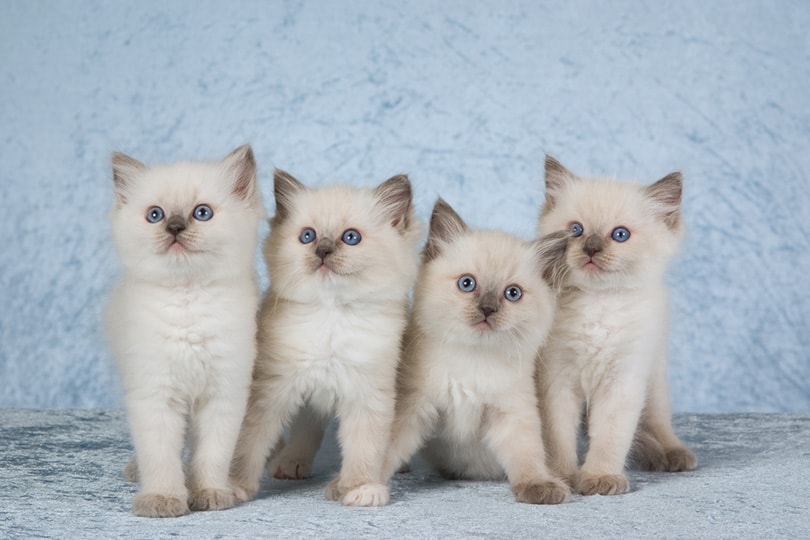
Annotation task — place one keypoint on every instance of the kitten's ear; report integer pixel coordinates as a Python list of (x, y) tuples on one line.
[(550, 252), (241, 166), (394, 196), (666, 194), (445, 225), (125, 170), (285, 186), (557, 176)]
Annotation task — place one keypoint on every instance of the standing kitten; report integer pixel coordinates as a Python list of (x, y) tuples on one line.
[(182, 321), (341, 262), (481, 310), (607, 350)]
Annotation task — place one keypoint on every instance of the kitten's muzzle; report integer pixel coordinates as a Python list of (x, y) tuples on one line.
[(325, 247), (593, 245), (488, 303), (175, 225)]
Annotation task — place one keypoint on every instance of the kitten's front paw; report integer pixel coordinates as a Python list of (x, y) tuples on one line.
[(292, 469), (211, 499), (367, 495), (154, 505), (680, 459), (548, 492), (606, 484)]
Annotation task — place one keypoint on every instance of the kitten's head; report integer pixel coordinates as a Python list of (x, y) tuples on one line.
[(341, 242), (188, 220), (623, 234), (486, 288)]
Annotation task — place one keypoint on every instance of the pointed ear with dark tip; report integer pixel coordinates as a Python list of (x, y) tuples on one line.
[(395, 198), (666, 194), (125, 170), (241, 166), (285, 186), (557, 176), (550, 251), (445, 225)]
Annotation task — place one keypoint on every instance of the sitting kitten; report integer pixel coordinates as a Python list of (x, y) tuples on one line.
[(182, 321), (341, 262), (606, 353), (466, 384)]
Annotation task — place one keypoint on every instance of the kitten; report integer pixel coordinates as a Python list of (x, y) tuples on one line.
[(341, 262), (182, 321), (466, 384), (606, 353)]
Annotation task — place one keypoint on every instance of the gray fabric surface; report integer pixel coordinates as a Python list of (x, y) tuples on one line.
[(61, 477)]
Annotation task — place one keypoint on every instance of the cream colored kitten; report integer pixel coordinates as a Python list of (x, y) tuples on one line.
[(182, 321), (341, 263), (606, 354), (466, 384)]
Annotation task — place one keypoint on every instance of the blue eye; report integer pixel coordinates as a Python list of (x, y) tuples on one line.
[(351, 237), (154, 214), (466, 283), (307, 235), (513, 293), (203, 213), (576, 229), (620, 234)]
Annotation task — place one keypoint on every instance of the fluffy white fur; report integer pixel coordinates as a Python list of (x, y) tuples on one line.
[(330, 330), (466, 383), (182, 323), (606, 354)]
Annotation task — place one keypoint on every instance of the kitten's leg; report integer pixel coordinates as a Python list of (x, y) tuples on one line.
[(657, 447), (515, 436), (414, 418), (613, 417), (158, 434), (561, 416), (216, 426), (364, 433), (270, 406), (294, 459)]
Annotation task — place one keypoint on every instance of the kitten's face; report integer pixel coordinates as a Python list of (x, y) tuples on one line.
[(175, 221), (341, 241), (483, 288), (623, 234)]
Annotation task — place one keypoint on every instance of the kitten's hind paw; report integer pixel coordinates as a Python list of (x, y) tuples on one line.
[(154, 505), (367, 495), (606, 484), (548, 492), (244, 490), (680, 459), (131, 471), (292, 469), (211, 499)]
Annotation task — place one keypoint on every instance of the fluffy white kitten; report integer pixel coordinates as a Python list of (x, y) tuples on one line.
[(341, 262), (606, 355), (466, 384), (182, 321)]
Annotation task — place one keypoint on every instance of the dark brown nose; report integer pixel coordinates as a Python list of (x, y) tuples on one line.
[(175, 225), (593, 245), (488, 303), (325, 247)]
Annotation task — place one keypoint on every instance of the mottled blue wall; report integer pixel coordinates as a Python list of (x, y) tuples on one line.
[(464, 96)]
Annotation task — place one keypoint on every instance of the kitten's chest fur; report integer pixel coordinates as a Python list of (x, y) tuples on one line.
[(599, 335)]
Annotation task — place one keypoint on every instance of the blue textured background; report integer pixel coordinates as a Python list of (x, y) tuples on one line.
[(464, 96)]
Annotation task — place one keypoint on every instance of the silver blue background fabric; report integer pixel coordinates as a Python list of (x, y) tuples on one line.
[(464, 96)]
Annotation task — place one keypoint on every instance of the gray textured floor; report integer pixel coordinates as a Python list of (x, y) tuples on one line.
[(60, 477)]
